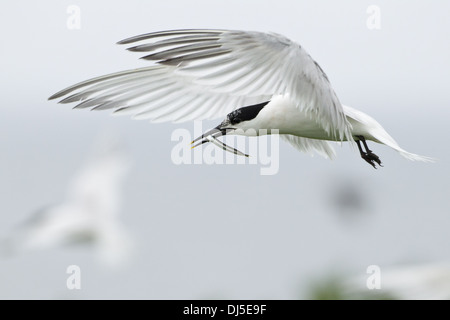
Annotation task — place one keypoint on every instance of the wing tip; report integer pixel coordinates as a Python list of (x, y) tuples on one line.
[(124, 41), (56, 96), (165, 33)]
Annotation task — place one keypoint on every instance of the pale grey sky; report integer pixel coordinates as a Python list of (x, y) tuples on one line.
[(224, 231)]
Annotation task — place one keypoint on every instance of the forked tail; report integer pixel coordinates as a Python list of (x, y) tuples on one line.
[(372, 130), (383, 137)]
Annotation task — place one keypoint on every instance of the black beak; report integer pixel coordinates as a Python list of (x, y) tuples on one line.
[(212, 135), (215, 133)]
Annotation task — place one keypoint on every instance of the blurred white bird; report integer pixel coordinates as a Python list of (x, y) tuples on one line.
[(418, 282), (429, 281), (89, 214), (261, 80)]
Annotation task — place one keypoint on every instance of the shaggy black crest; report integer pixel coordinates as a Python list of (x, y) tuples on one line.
[(245, 113)]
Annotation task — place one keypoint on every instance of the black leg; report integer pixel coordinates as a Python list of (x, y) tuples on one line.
[(370, 157), (358, 143), (365, 145)]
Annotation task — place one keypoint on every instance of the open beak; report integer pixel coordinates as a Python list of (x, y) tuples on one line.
[(212, 135)]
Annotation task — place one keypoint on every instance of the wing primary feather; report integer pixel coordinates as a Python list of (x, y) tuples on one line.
[(127, 93), (101, 86), (126, 90), (166, 54), (171, 42), (194, 56), (79, 96), (93, 102), (206, 65), (233, 66), (170, 33), (97, 79)]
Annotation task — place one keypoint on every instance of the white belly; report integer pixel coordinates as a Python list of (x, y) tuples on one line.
[(281, 114)]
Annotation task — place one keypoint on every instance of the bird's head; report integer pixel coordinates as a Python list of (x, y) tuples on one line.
[(236, 122)]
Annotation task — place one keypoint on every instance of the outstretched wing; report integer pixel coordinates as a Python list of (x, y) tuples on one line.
[(205, 74)]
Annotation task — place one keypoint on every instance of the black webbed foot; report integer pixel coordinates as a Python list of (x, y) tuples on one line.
[(371, 158)]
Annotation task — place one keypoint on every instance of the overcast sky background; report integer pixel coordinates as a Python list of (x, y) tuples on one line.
[(225, 231)]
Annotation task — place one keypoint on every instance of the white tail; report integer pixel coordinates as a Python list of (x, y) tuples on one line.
[(383, 137), (372, 130)]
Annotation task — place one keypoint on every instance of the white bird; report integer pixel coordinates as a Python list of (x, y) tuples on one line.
[(258, 80), (418, 282), (89, 214), (430, 281)]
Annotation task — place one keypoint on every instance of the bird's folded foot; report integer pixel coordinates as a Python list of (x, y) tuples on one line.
[(371, 158)]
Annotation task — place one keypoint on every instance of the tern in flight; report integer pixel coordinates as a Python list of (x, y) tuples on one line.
[(259, 81)]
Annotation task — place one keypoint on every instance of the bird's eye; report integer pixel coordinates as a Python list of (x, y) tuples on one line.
[(234, 120)]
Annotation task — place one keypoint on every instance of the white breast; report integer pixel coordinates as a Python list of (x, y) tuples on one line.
[(281, 113)]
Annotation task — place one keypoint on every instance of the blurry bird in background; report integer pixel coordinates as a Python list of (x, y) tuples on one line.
[(89, 215), (347, 198), (426, 281)]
